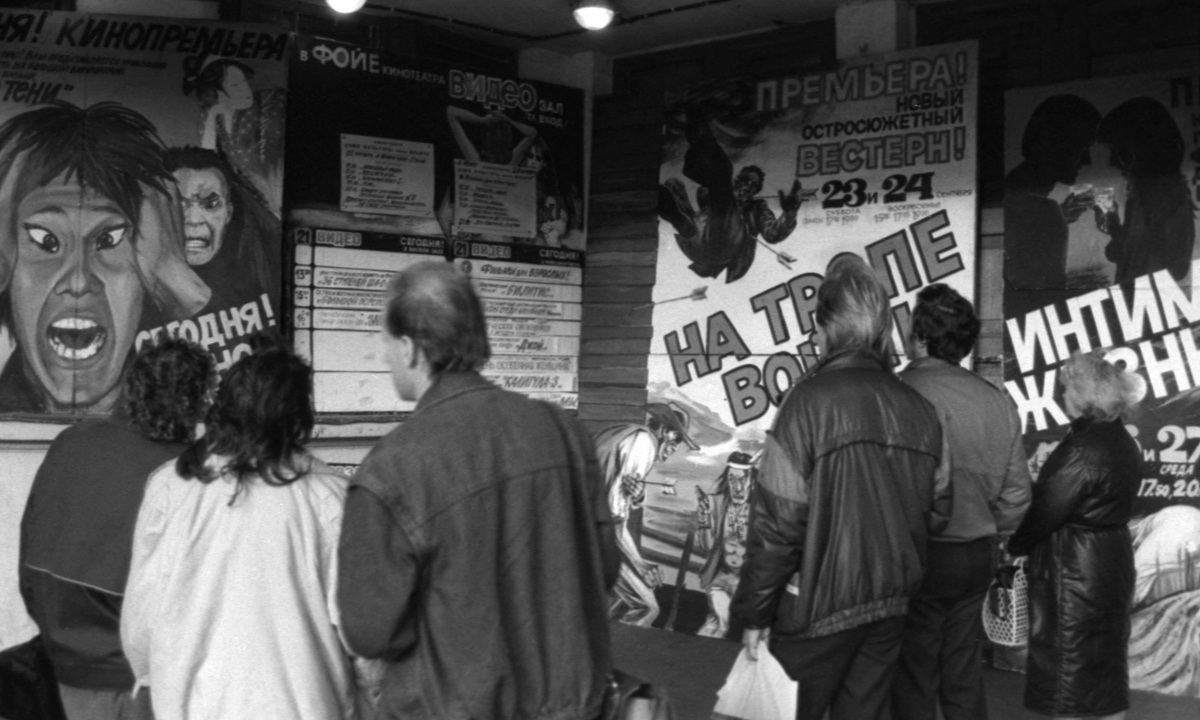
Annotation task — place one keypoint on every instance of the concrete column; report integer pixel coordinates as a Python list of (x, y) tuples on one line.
[(867, 27)]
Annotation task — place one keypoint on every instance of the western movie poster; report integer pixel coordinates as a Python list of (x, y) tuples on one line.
[(1101, 213), (141, 167), (764, 180), (392, 161)]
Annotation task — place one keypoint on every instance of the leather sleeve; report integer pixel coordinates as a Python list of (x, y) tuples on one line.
[(1056, 495), (775, 537)]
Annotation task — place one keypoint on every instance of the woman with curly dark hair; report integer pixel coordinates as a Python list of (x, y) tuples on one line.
[(231, 597), (77, 532)]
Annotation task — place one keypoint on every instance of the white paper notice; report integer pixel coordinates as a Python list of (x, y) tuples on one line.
[(386, 177), (495, 199)]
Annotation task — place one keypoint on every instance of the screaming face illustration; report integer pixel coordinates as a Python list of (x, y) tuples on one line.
[(76, 294), (204, 195)]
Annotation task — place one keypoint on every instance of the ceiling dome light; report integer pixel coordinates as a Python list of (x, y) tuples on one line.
[(346, 6), (594, 14)]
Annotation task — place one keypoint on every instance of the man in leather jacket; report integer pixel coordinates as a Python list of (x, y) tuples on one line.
[(849, 486)]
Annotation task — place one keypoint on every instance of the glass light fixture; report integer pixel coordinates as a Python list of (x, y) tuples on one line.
[(346, 6), (594, 14)]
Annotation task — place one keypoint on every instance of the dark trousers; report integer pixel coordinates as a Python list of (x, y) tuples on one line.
[(847, 673), (941, 652)]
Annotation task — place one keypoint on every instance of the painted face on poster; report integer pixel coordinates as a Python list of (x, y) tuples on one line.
[(207, 210), (75, 293)]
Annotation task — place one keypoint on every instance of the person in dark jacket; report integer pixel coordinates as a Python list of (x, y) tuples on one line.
[(941, 663), (477, 544), (850, 484), (77, 531), (1080, 568)]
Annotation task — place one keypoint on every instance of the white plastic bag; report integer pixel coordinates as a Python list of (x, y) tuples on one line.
[(756, 690)]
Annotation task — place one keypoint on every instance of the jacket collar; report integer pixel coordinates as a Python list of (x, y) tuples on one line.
[(851, 359), (450, 385), (928, 362)]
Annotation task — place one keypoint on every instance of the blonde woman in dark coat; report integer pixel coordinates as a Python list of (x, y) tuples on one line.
[(1076, 535)]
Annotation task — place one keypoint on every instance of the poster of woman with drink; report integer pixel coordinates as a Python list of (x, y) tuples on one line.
[(1101, 212)]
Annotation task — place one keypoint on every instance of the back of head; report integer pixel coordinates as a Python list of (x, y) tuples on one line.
[(853, 309), (1100, 389), (1144, 130), (1058, 124), (260, 421), (434, 304), (946, 322), (166, 389)]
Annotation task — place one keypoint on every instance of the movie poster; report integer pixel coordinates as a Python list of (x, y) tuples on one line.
[(388, 144), (763, 182), (141, 168), (393, 160), (1101, 214)]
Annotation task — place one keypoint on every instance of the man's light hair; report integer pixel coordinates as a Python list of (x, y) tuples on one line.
[(853, 309)]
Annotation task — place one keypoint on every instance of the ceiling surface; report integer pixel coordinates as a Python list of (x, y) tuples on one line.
[(641, 25)]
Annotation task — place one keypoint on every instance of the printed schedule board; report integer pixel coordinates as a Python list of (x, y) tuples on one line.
[(534, 305), (141, 169), (399, 161), (339, 287), (1102, 191), (339, 283)]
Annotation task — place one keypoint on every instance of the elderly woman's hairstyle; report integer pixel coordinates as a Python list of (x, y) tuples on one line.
[(1104, 391), (259, 423), (167, 387), (946, 322), (434, 304), (853, 309)]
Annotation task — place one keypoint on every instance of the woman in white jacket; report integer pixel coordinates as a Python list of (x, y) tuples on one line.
[(230, 607)]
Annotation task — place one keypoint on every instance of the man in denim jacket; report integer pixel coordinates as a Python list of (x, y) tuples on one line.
[(477, 544)]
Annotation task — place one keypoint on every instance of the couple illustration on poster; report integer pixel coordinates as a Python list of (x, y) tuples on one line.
[(1151, 228)]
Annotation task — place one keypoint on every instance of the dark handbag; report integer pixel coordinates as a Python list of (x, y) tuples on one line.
[(28, 690), (630, 698)]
